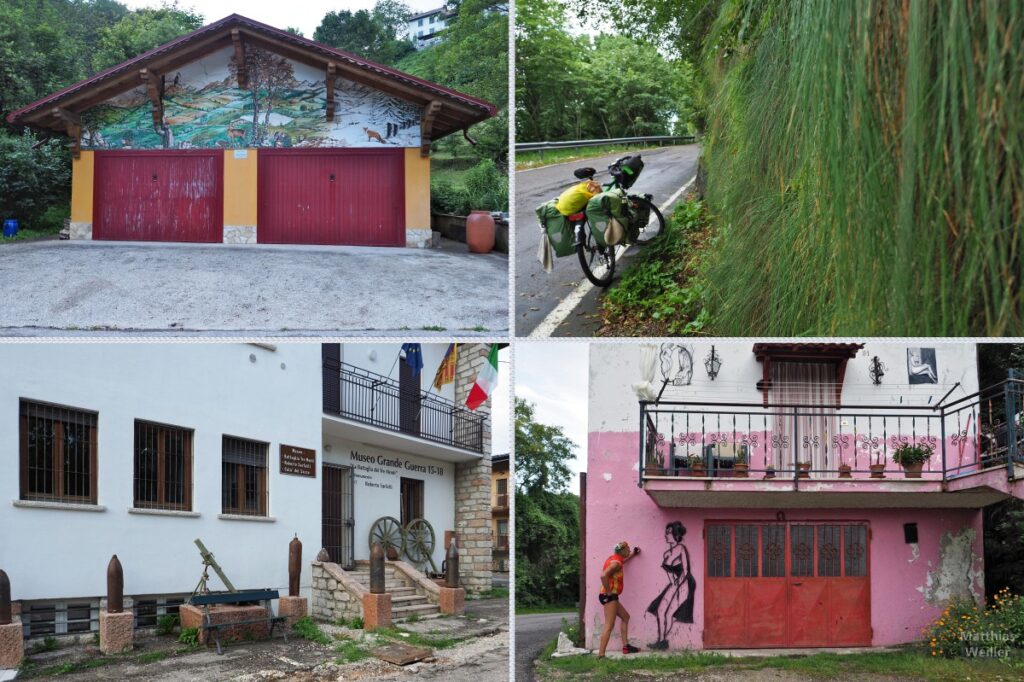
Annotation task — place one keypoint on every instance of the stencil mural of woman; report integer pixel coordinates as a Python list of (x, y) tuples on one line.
[(674, 605)]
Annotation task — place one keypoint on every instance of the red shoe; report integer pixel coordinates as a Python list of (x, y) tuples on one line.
[(629, 649)]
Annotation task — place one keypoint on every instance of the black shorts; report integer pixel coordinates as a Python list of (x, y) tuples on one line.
[(605, 598)]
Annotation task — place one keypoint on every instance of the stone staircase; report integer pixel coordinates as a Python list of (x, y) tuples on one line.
[(406, 597)]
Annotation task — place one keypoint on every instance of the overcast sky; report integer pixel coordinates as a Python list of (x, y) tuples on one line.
[(501, 406), (554, 377), (304, 15)]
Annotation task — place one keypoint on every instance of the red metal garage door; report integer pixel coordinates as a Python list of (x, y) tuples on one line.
[(801, 584), (170, 196), (332, 196)]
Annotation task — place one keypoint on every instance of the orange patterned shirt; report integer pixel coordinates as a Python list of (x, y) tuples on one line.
[(615, 579)]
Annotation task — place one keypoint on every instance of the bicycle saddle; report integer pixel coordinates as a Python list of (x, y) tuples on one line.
[(584, 173)]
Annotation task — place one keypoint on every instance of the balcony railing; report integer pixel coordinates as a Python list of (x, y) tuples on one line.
[(357, 394), (980, 431), (501, 501), (501, 541)]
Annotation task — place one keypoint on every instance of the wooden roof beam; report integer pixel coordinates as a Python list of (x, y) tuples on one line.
[(72, 127), (430, 112), (242, 69), (155, 90), (329, 82)]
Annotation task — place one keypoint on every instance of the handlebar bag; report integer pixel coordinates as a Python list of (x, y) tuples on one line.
[(558, 229), (603, 208), (574, 199), (628, 170)]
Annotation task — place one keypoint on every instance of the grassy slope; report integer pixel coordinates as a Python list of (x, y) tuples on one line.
[(865, 168)]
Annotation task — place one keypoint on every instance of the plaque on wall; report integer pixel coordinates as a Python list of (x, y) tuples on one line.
[(298, 461)]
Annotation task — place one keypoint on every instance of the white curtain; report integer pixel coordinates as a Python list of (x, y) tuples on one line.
[(804, 383), (645, 388)]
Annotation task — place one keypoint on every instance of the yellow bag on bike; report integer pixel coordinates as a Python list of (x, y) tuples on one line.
[(574, 199)]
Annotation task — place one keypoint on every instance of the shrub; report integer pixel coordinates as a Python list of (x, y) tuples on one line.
[(447, 198), (307, 628), (966, 630), (34, 183), (166, 623), (487, 187), (189, 637)]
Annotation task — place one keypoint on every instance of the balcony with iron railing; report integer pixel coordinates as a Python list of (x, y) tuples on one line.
[(704, 453), (500, 542), (376, 409), (500, 503)]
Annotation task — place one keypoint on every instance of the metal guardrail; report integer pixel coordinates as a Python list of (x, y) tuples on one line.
[(573, 144)]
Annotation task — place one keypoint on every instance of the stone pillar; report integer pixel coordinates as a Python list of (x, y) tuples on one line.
[(473, 484), (452, 600), (292, 608), (376, 611)]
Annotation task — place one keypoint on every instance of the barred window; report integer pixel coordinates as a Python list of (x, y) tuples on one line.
[(244, 477), (58, 453), (163, 466)]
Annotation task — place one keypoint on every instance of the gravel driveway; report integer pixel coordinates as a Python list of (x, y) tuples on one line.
[(56, 288)]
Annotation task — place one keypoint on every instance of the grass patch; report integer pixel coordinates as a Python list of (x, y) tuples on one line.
[(350, 652), (307, 628), (545, 608), (27, 233), (913, 663), (47, 644), (151, 657), (166, 623), (433, 328), (189, 637), (493, 593), (525, 160), (395, 634), (355, 623), (658, 294)]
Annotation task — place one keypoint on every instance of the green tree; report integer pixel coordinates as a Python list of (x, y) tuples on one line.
[(370, 34), (35, 183), (142, 30), (547, 515)]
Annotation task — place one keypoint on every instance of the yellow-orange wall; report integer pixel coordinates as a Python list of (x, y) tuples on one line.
[(240, 188), (81, 188), (417, 190)]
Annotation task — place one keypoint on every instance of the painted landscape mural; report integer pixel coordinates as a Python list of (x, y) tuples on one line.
[(284, 105)]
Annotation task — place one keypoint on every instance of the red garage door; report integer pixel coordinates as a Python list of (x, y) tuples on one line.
[(786, 585), (332, 196), (170, 196)]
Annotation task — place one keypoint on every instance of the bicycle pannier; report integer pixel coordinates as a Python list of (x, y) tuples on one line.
[(602, 208), (558, 229), (628, 170), (641, 211), (574, 199)]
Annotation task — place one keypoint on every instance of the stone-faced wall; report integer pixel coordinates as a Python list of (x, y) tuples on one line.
[(331, 601), (473, 484)]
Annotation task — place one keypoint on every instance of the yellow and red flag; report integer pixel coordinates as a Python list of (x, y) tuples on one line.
[(446, 372)]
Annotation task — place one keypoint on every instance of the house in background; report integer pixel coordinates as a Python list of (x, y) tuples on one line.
[(242, 133), (243, 446), (424, 29), (500, 505), (758, 480)]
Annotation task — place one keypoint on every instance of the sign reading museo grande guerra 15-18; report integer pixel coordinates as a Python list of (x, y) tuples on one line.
[(298, 461)]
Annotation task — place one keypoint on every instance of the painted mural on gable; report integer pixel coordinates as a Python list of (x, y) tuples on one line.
[(284, 105)]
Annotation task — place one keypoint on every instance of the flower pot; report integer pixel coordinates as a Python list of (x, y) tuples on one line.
[(698, 471), (480, 232), (877, 470), (769, 474), (805, 469), (845, 471), (740, 470), (913, 470)]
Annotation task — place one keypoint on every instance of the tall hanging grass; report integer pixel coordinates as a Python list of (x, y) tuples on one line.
[(865, 167)]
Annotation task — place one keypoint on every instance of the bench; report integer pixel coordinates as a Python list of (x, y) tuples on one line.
[(208, 600)]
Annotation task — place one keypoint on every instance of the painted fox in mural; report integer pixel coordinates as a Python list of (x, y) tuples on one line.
[(373, 135)]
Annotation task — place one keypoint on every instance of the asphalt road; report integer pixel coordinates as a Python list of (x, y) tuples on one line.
[(533, 632), (537, 292), (69, 287)]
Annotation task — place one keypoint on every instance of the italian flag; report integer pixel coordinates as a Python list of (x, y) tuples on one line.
[(485, 381)]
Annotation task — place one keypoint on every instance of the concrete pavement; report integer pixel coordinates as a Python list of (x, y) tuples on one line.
[(533, 633), (538, 293)]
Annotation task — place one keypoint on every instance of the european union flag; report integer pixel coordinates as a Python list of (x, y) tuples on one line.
[(413, 357)]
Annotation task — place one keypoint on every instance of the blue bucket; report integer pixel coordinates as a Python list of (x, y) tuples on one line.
[(10, 227)]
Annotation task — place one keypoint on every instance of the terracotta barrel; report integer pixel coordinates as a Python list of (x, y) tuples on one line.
[(480, 232)]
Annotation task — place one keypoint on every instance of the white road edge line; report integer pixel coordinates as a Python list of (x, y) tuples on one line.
[(565, 307)]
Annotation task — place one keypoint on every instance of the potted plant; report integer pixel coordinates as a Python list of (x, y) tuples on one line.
[(805, 469), (696, 465), (739, 465), (845, 470), (876, 465), (769, 472), (912, 458)]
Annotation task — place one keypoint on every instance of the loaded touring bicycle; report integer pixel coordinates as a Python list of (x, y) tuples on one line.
[(593, 219)]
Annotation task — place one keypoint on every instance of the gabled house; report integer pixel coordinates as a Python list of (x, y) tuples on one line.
[(243, 133), (759, 481)]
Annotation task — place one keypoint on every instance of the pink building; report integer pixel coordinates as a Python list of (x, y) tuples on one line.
[(744, 472)]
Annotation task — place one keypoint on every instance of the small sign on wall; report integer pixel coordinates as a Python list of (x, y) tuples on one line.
[(241, 153), (298, 461)]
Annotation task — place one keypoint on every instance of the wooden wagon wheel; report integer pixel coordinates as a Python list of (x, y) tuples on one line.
[(419, 543), (387, 530)]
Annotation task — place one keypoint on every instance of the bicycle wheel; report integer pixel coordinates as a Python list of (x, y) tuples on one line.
[(598, 263), (655, 226)]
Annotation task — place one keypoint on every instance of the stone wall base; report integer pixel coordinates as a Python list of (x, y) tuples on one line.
[(12, 645), (116, 631), (239, 234), (376, 611), (293, 608), (419, 238), (192, 617), (452, 601), (80, 231), (331, 601)]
